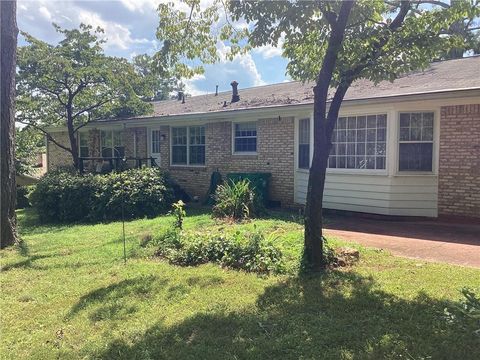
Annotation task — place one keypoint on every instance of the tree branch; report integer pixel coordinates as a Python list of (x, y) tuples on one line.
[(90, 108), (47, 134)]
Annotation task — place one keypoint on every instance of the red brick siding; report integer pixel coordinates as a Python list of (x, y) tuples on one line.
[(459, 161)]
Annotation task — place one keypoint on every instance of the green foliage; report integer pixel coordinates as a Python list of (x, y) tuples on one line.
[(236, 200), (23, 193), (303, 28), (69, 197), (28, 144), (249, 251), (178, 211), (467, 312), (154, 86)]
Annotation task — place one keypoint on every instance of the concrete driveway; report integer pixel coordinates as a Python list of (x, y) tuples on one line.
[(454, 243)]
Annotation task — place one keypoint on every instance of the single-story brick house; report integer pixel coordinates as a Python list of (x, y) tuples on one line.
[(408, 148)]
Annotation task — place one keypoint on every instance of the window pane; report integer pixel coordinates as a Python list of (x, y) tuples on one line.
[(357, 137), (304, 156), (107, 152), (304, 144), (197, 135), (117, 138), (245, 137), (246, 129), (415, 157), (197, 154), (83, 151), (179, 155), (156, 136), (179, 136), (246, 144)]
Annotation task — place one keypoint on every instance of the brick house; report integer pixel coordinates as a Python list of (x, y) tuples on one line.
[(409, 148)]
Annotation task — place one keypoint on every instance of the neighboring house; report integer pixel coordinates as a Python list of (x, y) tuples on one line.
[(411, 147)]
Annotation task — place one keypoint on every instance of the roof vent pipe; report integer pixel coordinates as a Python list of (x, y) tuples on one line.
[(216, 90), (235, 96), (183, 98), (180, 95)]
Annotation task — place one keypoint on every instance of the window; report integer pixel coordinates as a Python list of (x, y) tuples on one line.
[(245, 137), (304, 143), (112, 143), (83, 144), (188, 145), (197, 145), (156, 137), (359, 142), (416, 141)]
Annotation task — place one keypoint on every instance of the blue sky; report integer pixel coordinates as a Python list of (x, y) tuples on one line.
[(130, 27)]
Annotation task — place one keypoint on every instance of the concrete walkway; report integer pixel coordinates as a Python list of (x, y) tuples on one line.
[(452, 243)]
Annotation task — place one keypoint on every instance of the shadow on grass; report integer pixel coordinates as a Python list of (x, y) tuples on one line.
[(113, 298), (336, 315), (28, 263)]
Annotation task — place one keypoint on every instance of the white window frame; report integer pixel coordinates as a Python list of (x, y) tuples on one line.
[(234, 152), (297, 144), (434, 143), (112, 131), (387, 141), (187, 164)]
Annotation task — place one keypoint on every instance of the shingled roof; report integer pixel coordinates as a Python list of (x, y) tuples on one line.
[(440, 76)]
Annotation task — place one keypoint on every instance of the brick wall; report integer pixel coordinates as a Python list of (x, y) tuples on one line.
[(459, 161), (56, 156), (275, 148)]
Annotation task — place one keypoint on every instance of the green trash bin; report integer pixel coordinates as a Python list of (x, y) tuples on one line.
[(260, 181)]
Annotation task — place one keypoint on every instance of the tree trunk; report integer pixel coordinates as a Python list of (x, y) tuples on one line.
[(71, 136), (9, 31), (313, 242)]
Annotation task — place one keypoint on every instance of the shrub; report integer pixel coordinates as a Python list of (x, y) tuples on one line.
[(247, 251), (22, 196), (70, 197), (236, 200)]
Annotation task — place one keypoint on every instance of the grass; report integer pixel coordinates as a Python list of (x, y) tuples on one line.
[(67, 294)]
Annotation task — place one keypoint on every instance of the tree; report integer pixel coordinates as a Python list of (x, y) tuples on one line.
[(8, 41), (332, 43), (157, 84), (74, 83), (29, 143)]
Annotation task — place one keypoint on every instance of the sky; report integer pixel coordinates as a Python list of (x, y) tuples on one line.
[(130, 27)]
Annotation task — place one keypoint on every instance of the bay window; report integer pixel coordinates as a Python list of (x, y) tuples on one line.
[(188, 145), (359, 142), (416, 141), (112, 143), (245, 137)]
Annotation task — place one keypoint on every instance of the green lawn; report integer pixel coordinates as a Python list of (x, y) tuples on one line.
[(68, 294)]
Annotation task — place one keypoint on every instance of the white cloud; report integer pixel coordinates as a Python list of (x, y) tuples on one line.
[(141, 6), (269, 51), (117, 35), (191, 88), (45, 13)]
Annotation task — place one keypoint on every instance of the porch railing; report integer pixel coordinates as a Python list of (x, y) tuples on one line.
[(117, 163)]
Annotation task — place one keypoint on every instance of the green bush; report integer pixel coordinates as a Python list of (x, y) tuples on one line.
[(69, 197), (237, 200), (247, 251), (23, 195)]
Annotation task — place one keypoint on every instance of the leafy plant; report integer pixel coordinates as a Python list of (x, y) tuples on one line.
[(63, 196), (247, 251), (467, 312), (236, 200), (179, 213)]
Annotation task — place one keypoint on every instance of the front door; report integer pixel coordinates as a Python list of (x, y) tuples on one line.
[(155, 139)]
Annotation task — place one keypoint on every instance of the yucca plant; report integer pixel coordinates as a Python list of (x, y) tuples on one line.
[(236, 200)]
